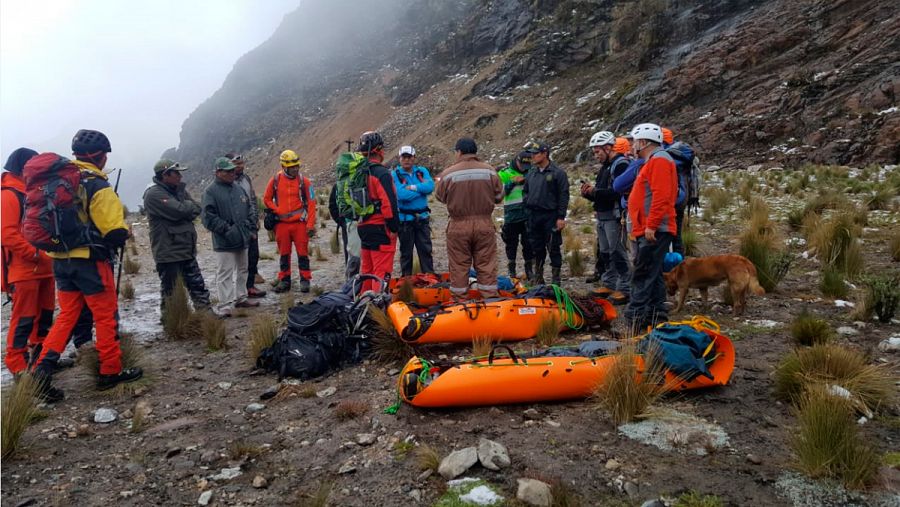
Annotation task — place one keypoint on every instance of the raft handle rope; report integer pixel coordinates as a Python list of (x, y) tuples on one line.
[(567, 308)]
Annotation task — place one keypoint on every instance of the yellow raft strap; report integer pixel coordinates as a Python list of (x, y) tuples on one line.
[(530, 363)]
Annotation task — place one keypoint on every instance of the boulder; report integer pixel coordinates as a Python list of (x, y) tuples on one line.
[(458, 462), (534, 492), (492, 455), (105, 415)]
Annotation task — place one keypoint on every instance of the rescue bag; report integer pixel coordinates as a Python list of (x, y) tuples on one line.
[(53, 209), (353, 198)]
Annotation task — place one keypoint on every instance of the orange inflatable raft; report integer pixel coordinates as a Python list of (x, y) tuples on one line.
[(505, 320), (434, 289), (496, 381)]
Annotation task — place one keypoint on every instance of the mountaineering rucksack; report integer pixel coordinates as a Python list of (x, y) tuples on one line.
[(53, 208), (689, 177), (353, 198)]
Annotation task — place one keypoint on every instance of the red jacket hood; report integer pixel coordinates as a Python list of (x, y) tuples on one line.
[(10, 180)]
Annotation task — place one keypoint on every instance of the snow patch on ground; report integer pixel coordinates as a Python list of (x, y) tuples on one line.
[(672, 430), (804, 492)]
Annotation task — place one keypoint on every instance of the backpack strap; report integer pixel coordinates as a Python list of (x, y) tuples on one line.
[(21, 198)]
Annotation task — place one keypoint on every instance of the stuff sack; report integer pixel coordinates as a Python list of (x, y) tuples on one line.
[(53, 209), (353, 200)]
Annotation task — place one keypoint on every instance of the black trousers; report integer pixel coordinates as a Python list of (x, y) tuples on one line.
[(415, 233), (545, 237), (648, 289), (512, 234), (252, 262), (193, 281)]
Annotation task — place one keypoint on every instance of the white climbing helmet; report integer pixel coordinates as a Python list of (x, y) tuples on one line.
[(602, 138), (648, 131)]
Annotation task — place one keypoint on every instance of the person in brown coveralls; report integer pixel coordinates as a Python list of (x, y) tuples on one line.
[(470, 188)]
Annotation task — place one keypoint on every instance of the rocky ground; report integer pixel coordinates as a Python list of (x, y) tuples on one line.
[(208, 438)]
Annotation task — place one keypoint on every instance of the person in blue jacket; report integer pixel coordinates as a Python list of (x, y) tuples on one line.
[(413, 184)]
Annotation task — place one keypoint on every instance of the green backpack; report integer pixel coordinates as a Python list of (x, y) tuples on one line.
[(352, 198)]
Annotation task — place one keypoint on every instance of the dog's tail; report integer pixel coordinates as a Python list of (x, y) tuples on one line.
[(755, 287)]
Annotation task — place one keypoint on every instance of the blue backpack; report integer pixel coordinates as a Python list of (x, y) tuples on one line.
[(688, 168)]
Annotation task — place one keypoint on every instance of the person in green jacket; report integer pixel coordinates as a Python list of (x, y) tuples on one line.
[(171, 212), (231, 216), (515, 218)]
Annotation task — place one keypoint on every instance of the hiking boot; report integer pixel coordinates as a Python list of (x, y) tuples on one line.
[(105, 382), (65, 362), (253, 292), (603, 291), (304, 285), (618, 298), (555, 276), (593, 279), (246, 304), (282, 286), (529, 271), (538, 274), (49, 394), (511, 266)]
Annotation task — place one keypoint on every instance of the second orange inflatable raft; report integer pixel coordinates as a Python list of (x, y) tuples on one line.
[(433, 289), (496, 381)]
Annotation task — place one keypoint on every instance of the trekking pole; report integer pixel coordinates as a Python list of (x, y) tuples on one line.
[(121, 250)]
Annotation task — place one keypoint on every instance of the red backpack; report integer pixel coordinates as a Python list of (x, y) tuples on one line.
[(52, 205)]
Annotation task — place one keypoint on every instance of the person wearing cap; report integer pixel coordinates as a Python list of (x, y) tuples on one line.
[(231, 217), (414, 185), (84, 275), (243, 180), (651, 207), (471, 189), (171, 211), (546, 194), (515, 218), (610, 240), (291, 198)]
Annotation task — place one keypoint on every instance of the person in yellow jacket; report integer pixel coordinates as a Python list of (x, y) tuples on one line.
[(84, 275)]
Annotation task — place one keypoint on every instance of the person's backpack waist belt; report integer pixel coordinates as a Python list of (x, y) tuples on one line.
[(294, 213)]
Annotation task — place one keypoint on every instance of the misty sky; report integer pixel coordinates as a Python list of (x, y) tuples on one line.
[(134, 70)]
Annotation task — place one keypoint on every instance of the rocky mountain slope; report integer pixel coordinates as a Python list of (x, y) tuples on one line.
[(747, 81)]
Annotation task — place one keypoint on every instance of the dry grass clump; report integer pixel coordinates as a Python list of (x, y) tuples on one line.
[(580, 207), (883, 294), (808, 330), (834, 284), (127, 290), (350, 409), (387, 347), (576, 262), (827, 442), (427, 458), (695, 499), (690, 240), (131, 267), (176, 317), (286, 302), (132, 357), (563, 495), (317, 253), (482, 345), (824, 365), (836, 243), (894, 247), (263, 332), (139, 417), (241, 449), (548, 330), (405, 291), (417, 266), (317, 498), (213, 330), (626, 393), (880, 199), (759, 244), (335, 242), (19, 407)]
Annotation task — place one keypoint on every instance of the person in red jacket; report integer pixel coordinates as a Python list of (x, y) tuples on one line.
[(651, 208), (291, 198), (27, 271), (378, 231)]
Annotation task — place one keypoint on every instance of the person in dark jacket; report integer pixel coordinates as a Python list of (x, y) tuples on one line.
[(232, 219), (546, 195), (243, 180), (171, 212), (611, 246), (351, 259)]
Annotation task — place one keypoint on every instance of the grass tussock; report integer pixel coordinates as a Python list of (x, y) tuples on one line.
[(213, 330), (287, 391), (427, 458), (286, 302), (880, 199), (871, 386), (894, 246), (387, 347), (176, 317), (335, 242), (696, 499), (350, 409), (417, 266), (834, 284), (242, 449), (317, 253), (827, 442), (576, 263), (317, 498), (132, 357), (405, 291), (580, 207), (263, 332), (131, 266), (548, 330), (626, 393), (690, 240), (717, 199), (127, 290), (482, 345), (139, 417), (836, 243), (19, 407), (808, 330), (883, 292), (564, 495), (759, 244)]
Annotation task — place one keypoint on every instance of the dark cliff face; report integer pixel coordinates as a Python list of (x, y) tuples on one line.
[(736, 77)]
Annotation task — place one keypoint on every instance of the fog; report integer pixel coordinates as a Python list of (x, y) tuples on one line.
[(134, 70)]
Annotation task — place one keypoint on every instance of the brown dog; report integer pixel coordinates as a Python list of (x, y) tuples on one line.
[(704, 272)]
